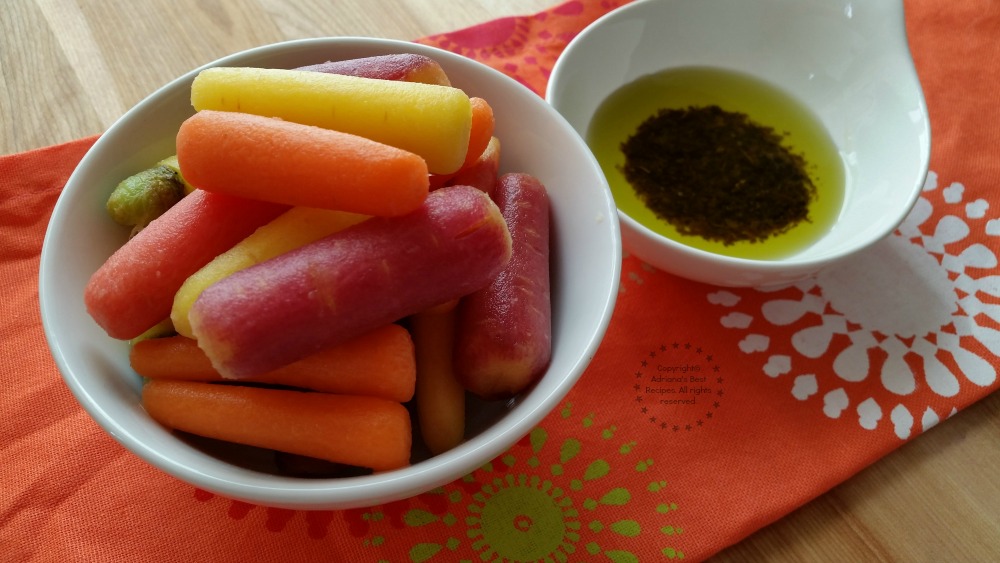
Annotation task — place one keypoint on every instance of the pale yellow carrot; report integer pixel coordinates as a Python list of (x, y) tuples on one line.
[(440, 398)]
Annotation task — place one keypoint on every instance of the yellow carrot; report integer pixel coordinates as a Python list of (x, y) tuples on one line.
[(430, 120), (440, 398)]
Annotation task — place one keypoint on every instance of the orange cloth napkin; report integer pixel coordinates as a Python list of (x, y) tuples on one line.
[(707, 413)]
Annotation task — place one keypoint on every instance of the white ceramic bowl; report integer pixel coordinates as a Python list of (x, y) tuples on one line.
[(535, 139), (848, 62)]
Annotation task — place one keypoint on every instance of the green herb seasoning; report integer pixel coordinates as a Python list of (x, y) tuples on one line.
[(719, 161)]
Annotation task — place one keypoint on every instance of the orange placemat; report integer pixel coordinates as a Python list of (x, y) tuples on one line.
[(707, 413)]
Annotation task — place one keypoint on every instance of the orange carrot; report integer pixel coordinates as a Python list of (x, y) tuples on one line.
[(483, 123), (134, 289), (380, 364), (286, 162), (172, 357), (440, 398), (361, 431)]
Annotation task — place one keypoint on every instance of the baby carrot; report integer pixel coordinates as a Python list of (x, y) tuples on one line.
[(426, 119), (483, 147), (296, 227), (380, 363), (351, 282), (482, 159), (275, 160), (407, 67), (133, 290), (440, 398), (355, 430), (504, 340), (171, 357), (484, 172), (483, 123)]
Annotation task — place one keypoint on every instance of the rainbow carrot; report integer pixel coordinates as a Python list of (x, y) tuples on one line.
[(481, 142), (355, 430), (484, 172), (275, 160), (440, 398), (481, 131), (133, 290), (380, 363), (407, 67), (159, 330), (294, 228), (426, 119), (504, 340), (351, 282)]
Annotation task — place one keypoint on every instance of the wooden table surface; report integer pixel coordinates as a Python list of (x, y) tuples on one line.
[(71, 67)]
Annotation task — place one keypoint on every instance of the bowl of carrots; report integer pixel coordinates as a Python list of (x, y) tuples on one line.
[(329, 273)]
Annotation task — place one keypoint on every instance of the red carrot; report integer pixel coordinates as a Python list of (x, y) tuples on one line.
[(481, 174), (286, 162), (380, 363), (504, 334), (408, 67), (134, 289), (348, 283), (361, 431)]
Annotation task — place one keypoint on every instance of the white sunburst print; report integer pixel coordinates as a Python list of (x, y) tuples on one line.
[(906, 323)]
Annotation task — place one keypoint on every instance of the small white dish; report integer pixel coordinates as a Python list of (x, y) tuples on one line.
[(848, 62), (586, 266)]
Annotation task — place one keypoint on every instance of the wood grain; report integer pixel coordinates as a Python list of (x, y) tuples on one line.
[(71, 67)]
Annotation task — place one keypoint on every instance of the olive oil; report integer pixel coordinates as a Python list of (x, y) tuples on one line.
[(620, 115)]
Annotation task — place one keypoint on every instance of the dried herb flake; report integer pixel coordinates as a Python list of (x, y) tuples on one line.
[(717, 174)]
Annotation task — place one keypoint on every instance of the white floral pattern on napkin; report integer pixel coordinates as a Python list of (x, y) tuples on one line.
[(913, 313)]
